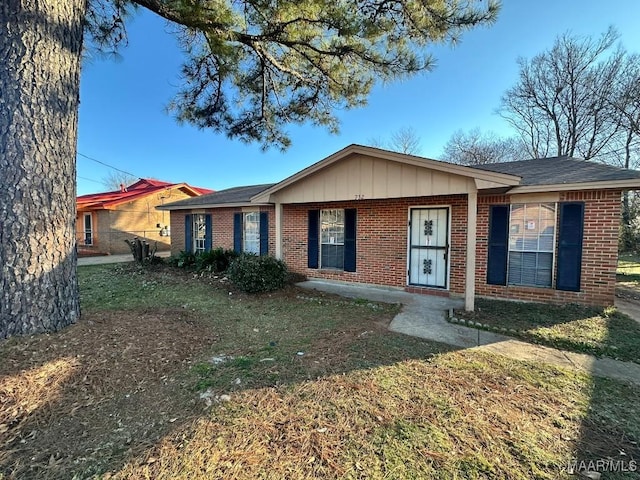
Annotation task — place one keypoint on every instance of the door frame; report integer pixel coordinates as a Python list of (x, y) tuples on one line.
[(447, 281)]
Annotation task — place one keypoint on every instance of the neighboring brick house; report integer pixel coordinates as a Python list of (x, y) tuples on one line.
[(226, 219), (541, 229), (104, 220)]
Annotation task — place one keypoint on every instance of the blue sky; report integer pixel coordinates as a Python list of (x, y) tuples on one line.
[(123, 121)]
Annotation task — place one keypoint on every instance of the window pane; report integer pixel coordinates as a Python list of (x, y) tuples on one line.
[(546, 243), (199, 232), (88, 230), (332, 256), (251, 240), (544, 267), (332, 239), (528, 268), (515, 268), (531, 244)]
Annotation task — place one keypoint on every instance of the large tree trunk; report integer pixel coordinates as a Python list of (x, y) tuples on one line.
[(40, 51)]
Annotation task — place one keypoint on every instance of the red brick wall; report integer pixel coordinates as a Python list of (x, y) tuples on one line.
[(599, 253), (382, 227), (381, 240), (222, 221)]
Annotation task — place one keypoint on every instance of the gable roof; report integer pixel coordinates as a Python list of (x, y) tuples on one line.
[(564, 173), (139, 189), (489, 177), (230, 197)]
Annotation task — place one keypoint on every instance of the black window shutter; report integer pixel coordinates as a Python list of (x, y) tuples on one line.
[(498, 248), (313, 238), (188, 241), (570, 246), (350, 215), (208, 233), (237, 232), (264, 233)]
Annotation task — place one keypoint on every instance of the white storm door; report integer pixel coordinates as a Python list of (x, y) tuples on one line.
[(429, 247)]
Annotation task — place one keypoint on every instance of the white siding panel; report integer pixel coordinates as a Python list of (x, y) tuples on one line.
[(380, 178), (395, 184), (364, 173), (409, 181)]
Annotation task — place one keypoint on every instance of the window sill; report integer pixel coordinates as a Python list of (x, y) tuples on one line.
[(545, 287)]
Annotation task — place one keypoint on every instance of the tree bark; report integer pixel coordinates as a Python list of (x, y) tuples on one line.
[(40, 52)]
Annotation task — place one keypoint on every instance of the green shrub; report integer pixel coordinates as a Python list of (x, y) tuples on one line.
[(223, 259), (204, 261), (182, 260), (252, 273), (216, 260)]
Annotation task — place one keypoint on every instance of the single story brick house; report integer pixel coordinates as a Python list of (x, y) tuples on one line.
[(536, 230), (227, 219), (104, 220)]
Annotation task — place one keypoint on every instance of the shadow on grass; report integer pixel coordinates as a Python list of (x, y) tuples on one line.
[(628, 278), (83, 399), (608, 446), (129, 397), (577, 328), (127, 378)]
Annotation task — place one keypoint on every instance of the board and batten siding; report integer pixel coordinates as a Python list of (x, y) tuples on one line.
[(361, 177)]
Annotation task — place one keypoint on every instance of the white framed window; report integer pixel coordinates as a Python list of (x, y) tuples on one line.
[(251, 232), (332, 238), (88, 229), (199, 232), (532, 230)]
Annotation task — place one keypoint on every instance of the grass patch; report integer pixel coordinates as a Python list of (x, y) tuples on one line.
[(628, 268), (601, 332), (455, 415), (314, 386)]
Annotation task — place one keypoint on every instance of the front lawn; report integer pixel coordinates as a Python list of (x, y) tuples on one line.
[(177, 376), (628, 271), (602, 332)]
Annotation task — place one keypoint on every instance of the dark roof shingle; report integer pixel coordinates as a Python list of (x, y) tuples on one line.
[(235, 195), (560, 170)]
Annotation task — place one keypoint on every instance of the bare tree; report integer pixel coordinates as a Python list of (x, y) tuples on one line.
[(581, 98), (115, 180), (563, 101), (626, 146), (477, 148), (376, 142), (627, 103), (404, 140)]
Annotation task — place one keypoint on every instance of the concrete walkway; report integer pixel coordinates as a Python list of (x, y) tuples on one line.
[(105, 259), (424, 316)]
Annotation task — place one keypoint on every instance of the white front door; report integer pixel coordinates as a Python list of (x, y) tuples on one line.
[(429, 247)]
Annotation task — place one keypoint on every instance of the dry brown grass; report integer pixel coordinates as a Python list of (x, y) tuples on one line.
[(458, 416), (83, 395), (115, 395)]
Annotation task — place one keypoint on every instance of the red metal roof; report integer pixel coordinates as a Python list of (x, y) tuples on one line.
[(142, 188)]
